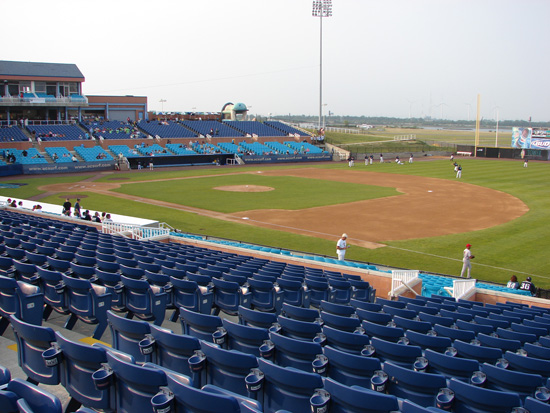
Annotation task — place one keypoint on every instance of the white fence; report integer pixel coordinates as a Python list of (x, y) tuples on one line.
[(134, 231), (462, 289), (401, 278), (404, 138)]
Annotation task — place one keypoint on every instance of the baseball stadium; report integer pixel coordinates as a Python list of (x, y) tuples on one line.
[(210, 280)]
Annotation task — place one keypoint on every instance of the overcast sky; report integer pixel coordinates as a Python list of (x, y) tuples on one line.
[(380, 57)]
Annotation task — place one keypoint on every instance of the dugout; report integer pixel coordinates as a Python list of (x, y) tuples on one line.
[(506, 153)]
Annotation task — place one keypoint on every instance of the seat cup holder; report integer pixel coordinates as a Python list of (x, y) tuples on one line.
[(102, 378), (52, 356), (478, 379), (320, 364), (444, 399), (254, 381), (267, 349), (219, 336), (379, 381), (197, 361), (162, 402), (319, 401), (147, 345)]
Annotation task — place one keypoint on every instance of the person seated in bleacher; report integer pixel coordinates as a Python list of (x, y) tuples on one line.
[(513, 283)]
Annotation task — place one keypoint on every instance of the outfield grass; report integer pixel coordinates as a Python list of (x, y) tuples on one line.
[(515, 247)]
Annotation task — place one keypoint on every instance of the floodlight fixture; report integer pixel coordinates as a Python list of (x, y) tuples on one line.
[(321, 9)]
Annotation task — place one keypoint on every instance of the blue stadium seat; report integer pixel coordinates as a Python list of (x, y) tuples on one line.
[(375, 317), (454, 334), (209, 399), (199, 325), (172, 351), (300, 330), (515, 335), (282, 388), (349, 324), (300, 313), (86, 302), (412, 325), (51, 285), (77, 364), (228, 296), (402, 354), (384, 332), (337, 309), (111, 281), (349, 369), (525, 384), (31, 341), (19, 299), (127, 334), (497, 342), (470, 398), (265, 296), (222, 368), (528, 364), (255, 318), (318, 291), (246, 339), (289, 352), (436, 343), (148, 302), (294, 292), (477, 352), (450, 366), (20, 396), (353, 343), (416, 386), (537, 350), (189, 295)]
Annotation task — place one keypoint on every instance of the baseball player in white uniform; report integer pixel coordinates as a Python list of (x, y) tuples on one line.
[(466, 263), (342, 246)]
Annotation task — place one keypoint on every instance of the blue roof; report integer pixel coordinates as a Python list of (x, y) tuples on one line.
[(33, 69)]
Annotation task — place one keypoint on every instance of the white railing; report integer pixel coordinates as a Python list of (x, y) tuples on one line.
[(134, 231), (401, 278), (462, 289), (404, 138)]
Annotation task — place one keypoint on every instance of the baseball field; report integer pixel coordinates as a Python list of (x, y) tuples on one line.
[(416, 216)]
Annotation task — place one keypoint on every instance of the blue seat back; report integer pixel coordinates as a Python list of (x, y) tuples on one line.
[(198, 325), (350, 369), (290, 352), (126, 335), (246, 339)]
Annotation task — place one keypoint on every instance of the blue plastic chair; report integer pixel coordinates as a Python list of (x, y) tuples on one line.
[(51, 285), (454, 334), (470, 398), (344, 310), (436, 343), (83, 271), (209, 399), (282, 388), (525, 384), (246, 339), (127, 334), (390, 303), (349, 324), (352, 343), (416, 386), (171, 350), (25, 272), (515, 335), (402, 354), (477, 352), (412, 325), (536, 406), (294, 292), (77, 364), (111, 281), (5, 375), (497, 342), (31, 341), (401, 312), (376, 317), (353, 399), (537, 350), (436, 319), (21, 396), (300, 330), (349, 369), (220, 367), (199, 325), (249, 317), (289, 352), (450, 366), (86, 302), (409, 407), (189, 295), (19, 299), (133, 385), (228, 296), (319, 290), (145, 301), (265, 296), (384, 332), (342, 290), (300, 313), (528, 364)]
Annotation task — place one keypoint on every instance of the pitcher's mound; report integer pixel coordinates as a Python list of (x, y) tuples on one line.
[(244, 188)]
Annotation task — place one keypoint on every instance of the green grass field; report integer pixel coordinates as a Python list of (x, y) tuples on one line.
[(516, 247)]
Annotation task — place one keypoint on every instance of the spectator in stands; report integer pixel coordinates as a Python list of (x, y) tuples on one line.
[(20, 204), (87, 216), (97, 218), (24, 153), (77, 207), (13, 203), (528, 285), (67, 207), (108, 218), (74, 159), (513, 283), (37, 208)]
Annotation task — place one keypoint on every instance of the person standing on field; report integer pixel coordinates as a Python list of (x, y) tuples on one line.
[(466, 261), (342, 246)]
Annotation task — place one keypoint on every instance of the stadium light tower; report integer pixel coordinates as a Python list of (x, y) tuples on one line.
[(321, 9), (162, 103)]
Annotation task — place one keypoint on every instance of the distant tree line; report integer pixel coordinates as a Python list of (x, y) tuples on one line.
[(352, 121)]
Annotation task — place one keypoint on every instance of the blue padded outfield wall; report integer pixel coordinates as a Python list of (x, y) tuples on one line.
[(53, 168), (287, 158)]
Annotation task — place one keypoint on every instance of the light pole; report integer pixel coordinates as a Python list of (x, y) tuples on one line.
[(325, 118), (162, 103), (496, 108), (321, 8)]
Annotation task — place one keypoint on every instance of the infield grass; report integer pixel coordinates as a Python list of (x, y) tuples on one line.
[(517, 247)]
